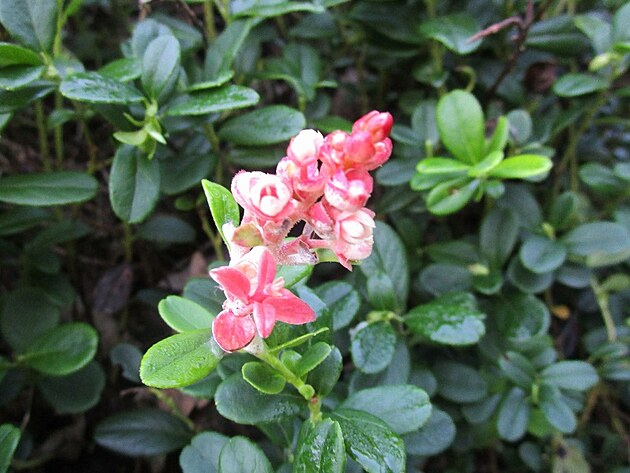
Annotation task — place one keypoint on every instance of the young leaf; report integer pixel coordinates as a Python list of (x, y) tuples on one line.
[(499, 137), (229, 97), (14, 55), (240, 455), (134, 184), (521, 166), (142, 432), (324, 378), (370, 442), (312, 358), (32, 22), (93, 87), (265, 126), (451, 319), (461, 124), (450, 196), (442, 166), (184, 315), (9, 439), (62, 350), (263, 377), (404, 408), (373, 346), (238, 401), (50, 188), (320, 448), (222, 205), (486, 165), (180, 360)]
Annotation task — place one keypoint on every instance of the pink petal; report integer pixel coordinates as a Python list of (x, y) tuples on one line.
[(266, 268), (291, 309), (265, 318), (234, 283), (233, 333)]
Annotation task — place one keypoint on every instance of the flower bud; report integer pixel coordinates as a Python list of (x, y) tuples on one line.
[(349, 190), (266, 196), (377, 124), (305, 146)]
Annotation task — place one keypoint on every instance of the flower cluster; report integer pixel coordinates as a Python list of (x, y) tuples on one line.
[(323, 181)]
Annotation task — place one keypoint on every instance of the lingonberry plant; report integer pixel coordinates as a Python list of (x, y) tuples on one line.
[(384, 237)]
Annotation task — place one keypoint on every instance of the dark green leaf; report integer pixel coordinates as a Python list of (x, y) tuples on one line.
[(11, 101), (513, 415), (271, 8), (123, 70), (555, 409), (184, 315), (433, 437), (134, 184), (521, 317), (541, 255), (160, 66), (370, 442), (9, 439), (62, 350), (459, 383), (574, 85), (238, 401), (180, 360), (294, 274), (404, 408), (526, 280), (498, 234), (19, 219), (558, 35), (95, 88), (598, 243), (167, 229), (223, 51), (320, 448), (240, 455), (184, 171), (76, 392), (50, 188), (202, 455), (373, 346), (128, 357), (32, 22), (262, 377), (142, 432), (265, 126), (461, 124), (453, 31), (570, 374), (518, 369), (16, 77), (229, 97), (451, 319)]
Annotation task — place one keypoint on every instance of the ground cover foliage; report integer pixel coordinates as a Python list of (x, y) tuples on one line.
[(488, 330)]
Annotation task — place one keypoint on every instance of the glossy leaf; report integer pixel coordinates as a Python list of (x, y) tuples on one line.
[(574, 85), (320, 448), (541, 255), (50, 188), (262, 377), (513, 415), (433, 437), (373, 346), (160, 66), (265, 126), (461, 124), (230, 97), (184, 315), (9, 439), (180, 360), (32, 22), (95, 88), (459, 383), (521, 166), (498, 234), (570, 374), (598, 243), (222, 205), (556, 410), (451, 196)]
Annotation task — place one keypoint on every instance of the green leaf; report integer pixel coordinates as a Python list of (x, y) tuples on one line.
[(521, 317), (521, 166), (380, 292), (486, 165), (134, 184), (597, 30), (14, 55), (342, 300), (453, 31), (294, 273), (451, 196), (32, 22), (500, 135), (128, 357), (575, 84), (9, 439), (222, 52), (271, 8), (461, 124), (404, 408), (15, 77), (222, 205), (320, 448), (598, 243), (142, 432), (265, 126), (518, 369), (26, 314), (262, 377), (459, 383), (570, 374), (542, 255), (160, 67), (312, 358), (19, 219), (180, 360), (50, 188), (230, 97), (513, 415), (442, 166), (167, 229), (370, 442), (240, 455), (498, 234), (451, 319), (202, 455), (76, 392), (184, 171), (389, 257), (433, 437), (557, 35), (325, 376), (555, 409), (238, 401), (93, 87), (11, 101), (62, 350), (184, 315), (123, 70), (373, 346)]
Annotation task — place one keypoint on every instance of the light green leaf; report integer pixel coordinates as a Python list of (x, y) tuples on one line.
[(522, 166), (184, 315), (9, 439), (222, 205), (461, 124), (262, 377)]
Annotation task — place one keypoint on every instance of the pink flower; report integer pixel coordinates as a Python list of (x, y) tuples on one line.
[(318, 216), (349, 190), (356, 150), (266, 196), (305, 146), (255, 300), (353, 235), (306, 177), (378, 124)]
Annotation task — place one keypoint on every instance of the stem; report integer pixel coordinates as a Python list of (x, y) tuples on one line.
[(306, 390), (208, 15), (602, 301), (215, 238), (173, 407), (58, 131), (128, 241), (43, 139), (435, 49), (223, 8)]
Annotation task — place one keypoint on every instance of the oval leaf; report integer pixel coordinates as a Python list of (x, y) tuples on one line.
[(320, 448), (461, 124), (50, 188), (95, 88), (265, 126), (230, 97), (184, 315), (240, 455)]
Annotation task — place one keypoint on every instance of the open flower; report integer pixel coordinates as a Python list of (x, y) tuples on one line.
[(255, 300), (349, 190), (267, 197), (353, 235)]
